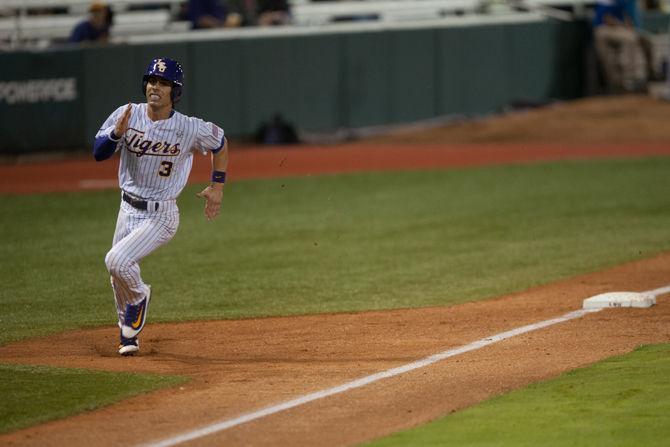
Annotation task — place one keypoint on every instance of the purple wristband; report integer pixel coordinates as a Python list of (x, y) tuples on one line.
[(219, 176)]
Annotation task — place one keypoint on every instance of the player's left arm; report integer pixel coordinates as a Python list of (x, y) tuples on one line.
[(213, 194)]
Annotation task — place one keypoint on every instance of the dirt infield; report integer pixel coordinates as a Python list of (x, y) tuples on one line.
[(246, 365), (250, 364)]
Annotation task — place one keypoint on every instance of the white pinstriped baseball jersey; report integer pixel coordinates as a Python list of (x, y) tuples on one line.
[(156, 156)]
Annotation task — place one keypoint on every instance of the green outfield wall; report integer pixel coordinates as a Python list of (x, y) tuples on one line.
[(55, 100)]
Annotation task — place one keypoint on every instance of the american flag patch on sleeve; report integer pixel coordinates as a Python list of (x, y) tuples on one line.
[(216, 130)]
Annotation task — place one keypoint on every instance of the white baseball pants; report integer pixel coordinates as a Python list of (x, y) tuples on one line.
[(138, 233)]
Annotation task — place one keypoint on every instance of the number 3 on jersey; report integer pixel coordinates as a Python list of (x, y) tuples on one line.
[(166, 169)]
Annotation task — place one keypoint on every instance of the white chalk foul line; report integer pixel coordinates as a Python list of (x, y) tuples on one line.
[(659, 291), (358, 383)]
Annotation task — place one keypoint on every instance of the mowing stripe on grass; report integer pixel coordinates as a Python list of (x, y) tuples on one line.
[(358, 383)]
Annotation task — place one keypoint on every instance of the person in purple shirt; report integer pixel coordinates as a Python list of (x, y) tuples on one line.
[(623, 11), (96, 27), (273, 12), (211, 14)]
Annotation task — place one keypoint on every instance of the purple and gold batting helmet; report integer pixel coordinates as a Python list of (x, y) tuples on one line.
[(169, 69)]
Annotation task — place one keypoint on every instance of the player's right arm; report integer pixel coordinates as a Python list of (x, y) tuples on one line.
[(107, 138)]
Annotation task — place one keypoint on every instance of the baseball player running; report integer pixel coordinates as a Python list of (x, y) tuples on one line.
[(157, 145)]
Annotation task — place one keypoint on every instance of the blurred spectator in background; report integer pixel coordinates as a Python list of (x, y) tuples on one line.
[(619, 45), (246, 9), (652, 5), (261, 12), (96, 27), (211, 14), (273, 12)]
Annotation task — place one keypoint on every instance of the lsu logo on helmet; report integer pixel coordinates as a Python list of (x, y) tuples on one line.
[(160, 66)]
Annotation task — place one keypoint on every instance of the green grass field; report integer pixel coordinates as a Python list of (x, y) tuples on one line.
[(622, 401), (34, 394), (336, 243)]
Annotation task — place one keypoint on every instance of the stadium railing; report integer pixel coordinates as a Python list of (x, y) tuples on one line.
[(20, 27)]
